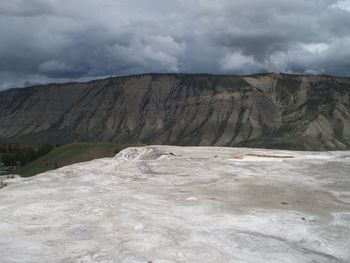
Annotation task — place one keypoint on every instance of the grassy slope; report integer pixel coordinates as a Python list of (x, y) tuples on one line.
[(70, 154)]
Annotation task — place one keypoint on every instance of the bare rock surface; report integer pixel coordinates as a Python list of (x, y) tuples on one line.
[(183, 204)]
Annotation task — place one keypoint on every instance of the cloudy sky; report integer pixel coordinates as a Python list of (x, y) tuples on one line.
[(61, 40)]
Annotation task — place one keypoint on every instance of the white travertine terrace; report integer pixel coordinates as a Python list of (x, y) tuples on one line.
[(183, 204)]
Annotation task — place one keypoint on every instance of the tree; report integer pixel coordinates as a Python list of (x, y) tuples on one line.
[(2, 149), (44, 149), (19, 156), (9, 159), (30, 155), (9, 148)]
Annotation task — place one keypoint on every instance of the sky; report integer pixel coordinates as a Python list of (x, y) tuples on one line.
[(77, 40)]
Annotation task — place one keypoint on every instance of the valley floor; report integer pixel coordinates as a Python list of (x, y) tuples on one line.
[(183, 204)]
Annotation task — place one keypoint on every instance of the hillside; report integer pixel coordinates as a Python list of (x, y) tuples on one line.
[(70, 154), (266, 110), (183, 204)]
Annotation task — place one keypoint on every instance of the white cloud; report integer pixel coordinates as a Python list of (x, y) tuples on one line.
[(315, 48), (237, 62), (54, 66), (159, 52), (343, 4)]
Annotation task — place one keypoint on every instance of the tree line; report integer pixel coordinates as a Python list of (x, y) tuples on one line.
[(12, 156)]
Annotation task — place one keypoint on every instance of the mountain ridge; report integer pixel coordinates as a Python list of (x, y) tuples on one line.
[(174, 74), (270, 110)]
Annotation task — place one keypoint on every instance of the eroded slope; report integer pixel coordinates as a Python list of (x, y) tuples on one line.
[(267, 111)]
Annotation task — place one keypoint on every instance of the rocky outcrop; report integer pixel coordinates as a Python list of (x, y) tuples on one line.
[(267, 110)]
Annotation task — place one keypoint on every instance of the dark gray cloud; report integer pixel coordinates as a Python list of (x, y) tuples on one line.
[(61, 40), (25, 8)]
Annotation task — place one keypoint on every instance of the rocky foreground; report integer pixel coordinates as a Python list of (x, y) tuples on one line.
[(183, 204)]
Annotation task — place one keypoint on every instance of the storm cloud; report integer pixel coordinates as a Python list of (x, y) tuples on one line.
[(59, 40)]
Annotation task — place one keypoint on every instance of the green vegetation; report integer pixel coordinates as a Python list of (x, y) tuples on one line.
[(70, 154), (287, 137), (16, 156)]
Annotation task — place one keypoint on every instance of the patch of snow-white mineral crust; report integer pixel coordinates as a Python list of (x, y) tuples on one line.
[(183, 204)]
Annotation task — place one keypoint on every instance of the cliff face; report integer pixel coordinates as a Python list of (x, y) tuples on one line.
[(272, 110)]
